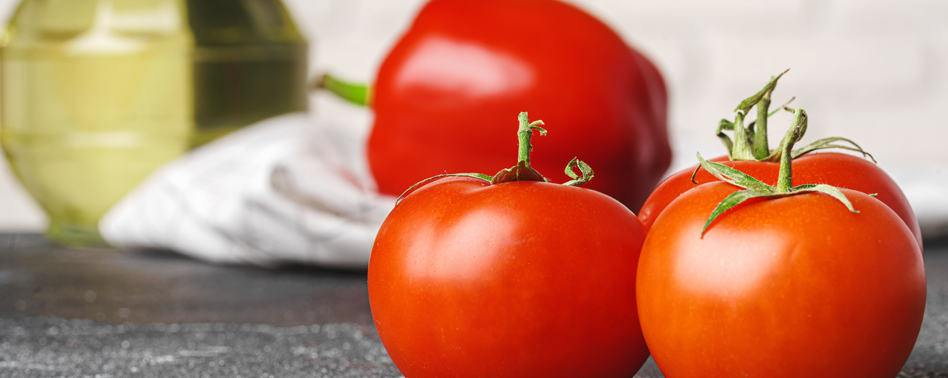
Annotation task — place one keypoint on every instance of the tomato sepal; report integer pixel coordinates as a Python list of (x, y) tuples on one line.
[(585, 172), (827, 143), (432, 178)]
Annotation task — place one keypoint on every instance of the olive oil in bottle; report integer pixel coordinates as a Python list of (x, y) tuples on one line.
[(250, 63), (96, 94)]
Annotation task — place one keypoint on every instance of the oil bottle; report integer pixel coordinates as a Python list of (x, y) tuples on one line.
[(96, 94)]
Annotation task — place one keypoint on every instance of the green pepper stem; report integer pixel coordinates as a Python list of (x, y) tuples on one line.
[(355, 93)]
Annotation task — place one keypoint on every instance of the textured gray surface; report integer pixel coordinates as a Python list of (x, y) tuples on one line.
[(49, 347), (100, 313), (37, 279)]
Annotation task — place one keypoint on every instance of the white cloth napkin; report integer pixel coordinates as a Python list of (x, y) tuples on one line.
[(288, 189), (296, 190)]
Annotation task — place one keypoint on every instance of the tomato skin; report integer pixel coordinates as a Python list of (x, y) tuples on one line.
[(836, 169), (791, 287), (520, 279), (444, 94)]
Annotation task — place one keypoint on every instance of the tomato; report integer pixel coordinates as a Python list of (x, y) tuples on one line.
[(443, 93), (789, 287), (831, 168), (779, 281), (508, 278)]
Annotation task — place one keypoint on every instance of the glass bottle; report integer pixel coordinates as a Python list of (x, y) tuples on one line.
[(250, 63), (96, 94)]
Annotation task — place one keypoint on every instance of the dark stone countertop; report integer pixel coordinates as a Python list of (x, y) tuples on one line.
[(102, 313)]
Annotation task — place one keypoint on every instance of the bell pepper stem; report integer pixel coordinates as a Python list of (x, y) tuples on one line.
[(355, 93)]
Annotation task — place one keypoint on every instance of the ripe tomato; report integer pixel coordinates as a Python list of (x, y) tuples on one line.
[(518, 279), (444, 92), (790, 287), (836, 169)]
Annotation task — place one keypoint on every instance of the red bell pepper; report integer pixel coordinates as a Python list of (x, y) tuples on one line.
[(444, 95)]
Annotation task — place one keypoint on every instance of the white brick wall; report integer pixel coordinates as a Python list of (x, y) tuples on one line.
[(873, 70)]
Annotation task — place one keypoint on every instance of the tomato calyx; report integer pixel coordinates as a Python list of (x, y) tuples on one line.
[(750, 142), (522, 171), (754, 188)]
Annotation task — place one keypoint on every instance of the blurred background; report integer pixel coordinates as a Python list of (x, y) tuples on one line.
[(875, 71)]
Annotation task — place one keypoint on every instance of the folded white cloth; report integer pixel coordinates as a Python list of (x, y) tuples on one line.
[(288, 189), (296, 190)]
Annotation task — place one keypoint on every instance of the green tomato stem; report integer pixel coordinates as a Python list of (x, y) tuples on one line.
[(522, 171), (785, 180), (761, 144), (749, 145), (742, 149), (753, 145), (525, 137)]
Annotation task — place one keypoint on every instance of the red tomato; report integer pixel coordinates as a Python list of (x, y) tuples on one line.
[(790, 287), (831, 168), (448, 87), (518, 279)]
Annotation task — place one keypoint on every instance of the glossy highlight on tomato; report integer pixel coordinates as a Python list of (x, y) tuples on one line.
[(445, 91)]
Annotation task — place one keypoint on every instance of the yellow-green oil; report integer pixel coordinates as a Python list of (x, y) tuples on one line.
[(96, 94), (250, 63)]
